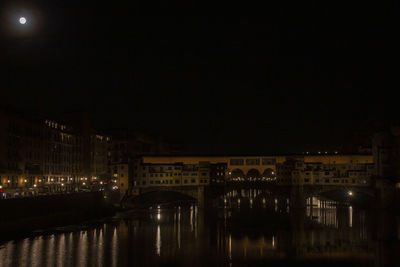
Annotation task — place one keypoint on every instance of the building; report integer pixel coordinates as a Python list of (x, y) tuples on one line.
[(386, 151), (176, 174), (354, 170), (42, 155), (218, 173), (120, 173), (285, 170)]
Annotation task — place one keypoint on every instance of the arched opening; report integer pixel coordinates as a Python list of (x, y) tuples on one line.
[(253, 175), (237, 175), (269, 174)]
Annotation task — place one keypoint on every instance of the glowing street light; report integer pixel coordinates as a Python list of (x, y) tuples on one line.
[(350, 193)]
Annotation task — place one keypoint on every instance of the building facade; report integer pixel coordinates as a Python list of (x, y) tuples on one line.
[(284, 170), (352, 170), (176, 174), (40, 155)]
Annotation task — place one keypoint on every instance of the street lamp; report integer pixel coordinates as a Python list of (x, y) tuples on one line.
[(350, 193)]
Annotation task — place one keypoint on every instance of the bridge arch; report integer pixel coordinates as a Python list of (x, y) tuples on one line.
[(253, 174), (237, 174), (269, 173)]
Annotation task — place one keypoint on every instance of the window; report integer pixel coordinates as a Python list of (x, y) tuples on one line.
[(252, 161), (177, 181), (307, 180), (194, 174), (161, 175), (237, 162), (193, 181), (144, 182), (268, 161), (327, 181), (185, 181)]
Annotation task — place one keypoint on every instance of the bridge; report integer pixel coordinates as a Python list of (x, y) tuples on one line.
[(259, 164)]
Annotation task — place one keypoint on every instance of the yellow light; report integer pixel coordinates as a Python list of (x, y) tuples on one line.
[(350, 193), (34, 185)]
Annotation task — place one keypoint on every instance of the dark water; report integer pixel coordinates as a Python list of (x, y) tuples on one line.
[(245, 228)]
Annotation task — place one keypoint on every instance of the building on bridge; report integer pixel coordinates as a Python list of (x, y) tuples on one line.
[(355, 170), (177, 174), (285, 170)]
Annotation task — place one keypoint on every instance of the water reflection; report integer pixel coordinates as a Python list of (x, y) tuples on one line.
[(248, 226)]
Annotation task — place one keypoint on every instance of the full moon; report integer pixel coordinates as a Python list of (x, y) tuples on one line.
[(22, 20)]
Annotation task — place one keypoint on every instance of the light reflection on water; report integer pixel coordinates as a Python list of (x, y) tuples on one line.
[(248, 226)]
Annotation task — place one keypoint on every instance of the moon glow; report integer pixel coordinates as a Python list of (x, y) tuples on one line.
[(22, 20)]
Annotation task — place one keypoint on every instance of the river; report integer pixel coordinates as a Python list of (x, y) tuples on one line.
[(244, 228)]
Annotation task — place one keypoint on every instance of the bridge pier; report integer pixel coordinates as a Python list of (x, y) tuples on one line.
[(386, 193), (297, 199), (200, 197)]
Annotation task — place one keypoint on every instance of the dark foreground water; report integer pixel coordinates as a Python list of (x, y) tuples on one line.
[(245, 228)]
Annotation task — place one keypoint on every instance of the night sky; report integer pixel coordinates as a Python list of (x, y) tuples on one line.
[(232, 78)]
